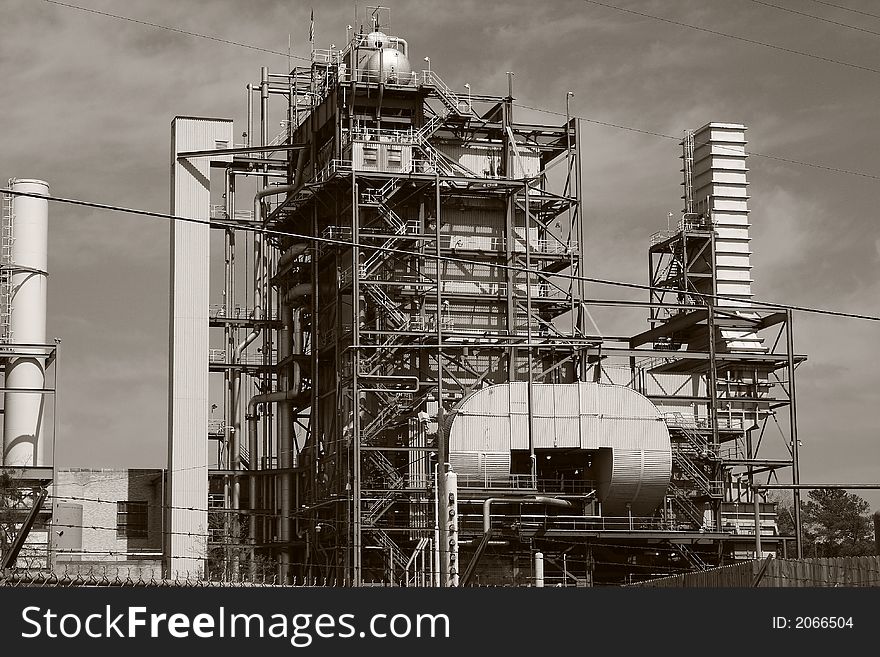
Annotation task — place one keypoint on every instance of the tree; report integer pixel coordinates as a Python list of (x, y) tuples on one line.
[(15, 503), (834, 524)]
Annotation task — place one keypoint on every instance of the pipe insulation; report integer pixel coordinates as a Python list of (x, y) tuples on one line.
[(23, 426)]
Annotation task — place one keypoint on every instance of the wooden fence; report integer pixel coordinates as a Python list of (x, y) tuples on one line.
[(777, 573)]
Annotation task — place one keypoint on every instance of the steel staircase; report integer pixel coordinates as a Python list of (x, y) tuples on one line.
[(448, 97), (692, 557), (395, 481), (698, 443), (696, 475), (398, 557), (398, 318), (684, 505)]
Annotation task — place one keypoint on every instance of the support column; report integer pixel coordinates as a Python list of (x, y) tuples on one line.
[(187, 540)]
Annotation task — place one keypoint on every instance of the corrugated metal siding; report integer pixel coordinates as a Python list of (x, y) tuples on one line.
[(639, 478), (188, 380), (528, 163), (381, 156), (482, 160), (486, 220)]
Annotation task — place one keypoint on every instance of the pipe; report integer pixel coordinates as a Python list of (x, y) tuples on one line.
[(287, 261), (233, 423), (260, 305), (539, 569), (435, 575), (261, 272), (292, 254), (250, 114), (398, 41), (296, 378), (252, 417), (537, 499), (297, 292), (285, 445)]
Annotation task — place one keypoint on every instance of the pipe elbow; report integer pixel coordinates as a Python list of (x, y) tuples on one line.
[(552, 501)]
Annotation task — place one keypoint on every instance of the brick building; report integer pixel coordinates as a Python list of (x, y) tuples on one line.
[(108, 522)]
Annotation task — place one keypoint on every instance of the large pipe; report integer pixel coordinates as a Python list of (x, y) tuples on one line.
[(537, 499), (292, 254), (26, 277), (252, 417), (297, 292), (285, 443), (261, 303)]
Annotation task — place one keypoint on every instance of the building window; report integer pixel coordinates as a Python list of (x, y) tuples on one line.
[(131, 519)]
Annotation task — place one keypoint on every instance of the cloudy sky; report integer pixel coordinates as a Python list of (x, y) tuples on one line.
[(88, 102)]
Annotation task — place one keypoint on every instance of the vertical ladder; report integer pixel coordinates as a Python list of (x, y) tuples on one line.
[(6, 240), (688, 157)]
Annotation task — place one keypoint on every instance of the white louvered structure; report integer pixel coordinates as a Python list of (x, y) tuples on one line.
[(720, 190)]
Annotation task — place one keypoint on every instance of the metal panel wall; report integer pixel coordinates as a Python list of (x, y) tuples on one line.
[(188, 367)]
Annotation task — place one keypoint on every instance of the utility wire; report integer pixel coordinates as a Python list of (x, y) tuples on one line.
[(589, 120), (174, 29), (454, 259), (814, 17), (814, 165), (754, 42), (855, 11)]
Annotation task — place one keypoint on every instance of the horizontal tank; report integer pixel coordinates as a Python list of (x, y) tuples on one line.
[(624, 430)]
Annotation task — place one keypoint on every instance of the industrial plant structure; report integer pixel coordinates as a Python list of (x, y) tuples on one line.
[(412, 388)]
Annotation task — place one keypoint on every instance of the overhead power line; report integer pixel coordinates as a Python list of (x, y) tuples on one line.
[(175, 29), (454, 259), (754, 42), (814, 17), (814, 165), (583, 118), (855, 11)]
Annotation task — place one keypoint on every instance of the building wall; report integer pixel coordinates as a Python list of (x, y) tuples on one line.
[(84, 516)]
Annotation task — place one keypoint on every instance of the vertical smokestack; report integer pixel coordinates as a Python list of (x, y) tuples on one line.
[(27, 229)]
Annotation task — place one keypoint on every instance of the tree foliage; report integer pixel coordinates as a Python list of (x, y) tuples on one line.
[(12, 500), (835, 524)]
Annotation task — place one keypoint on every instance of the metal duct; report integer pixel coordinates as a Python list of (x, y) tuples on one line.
[(633, 457)]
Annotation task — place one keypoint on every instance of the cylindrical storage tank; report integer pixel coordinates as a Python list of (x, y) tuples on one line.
[(24, 411), (386, 64), (389, 66)]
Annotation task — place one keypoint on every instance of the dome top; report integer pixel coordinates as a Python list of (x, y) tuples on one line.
[(376, 39)]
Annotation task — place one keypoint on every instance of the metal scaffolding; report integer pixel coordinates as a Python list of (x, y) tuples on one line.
[(409, 246)]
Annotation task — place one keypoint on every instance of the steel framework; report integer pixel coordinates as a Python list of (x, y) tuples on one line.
[(407, 246)]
